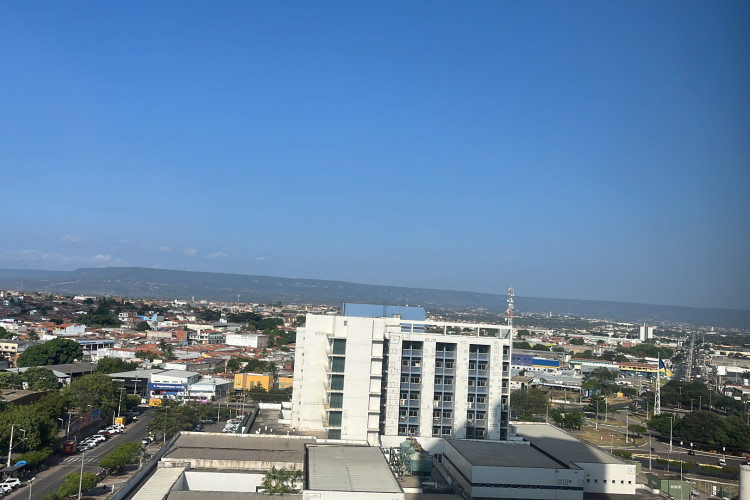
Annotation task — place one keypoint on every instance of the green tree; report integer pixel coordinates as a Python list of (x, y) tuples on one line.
[(120, 456), (114, 365), (575, 419), (636, 429), (72, 481), (40, 379), (97, 390), (209, 315), (35, 457), (167, 351), (576, 341), (281, 481), (10, 380), (53, 352), (142, 326), (5, 334), (528, 402)]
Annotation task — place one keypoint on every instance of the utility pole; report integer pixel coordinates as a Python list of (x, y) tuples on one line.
[(119, 402), (627, 434), (80, 479), (671, 420), (650, 449), (10, 446)]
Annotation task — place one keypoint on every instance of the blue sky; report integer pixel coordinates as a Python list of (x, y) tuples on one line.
[(590, 150)]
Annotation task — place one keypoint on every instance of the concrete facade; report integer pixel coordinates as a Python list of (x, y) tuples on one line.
[(359, 378)]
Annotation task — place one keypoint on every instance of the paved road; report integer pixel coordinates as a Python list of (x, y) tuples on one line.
[(62, 465)]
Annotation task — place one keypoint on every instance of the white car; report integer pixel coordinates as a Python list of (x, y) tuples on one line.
[(14, 482), (6, 488), (98, 437)]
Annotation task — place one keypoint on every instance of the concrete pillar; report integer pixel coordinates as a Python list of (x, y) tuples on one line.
[(744, 482)]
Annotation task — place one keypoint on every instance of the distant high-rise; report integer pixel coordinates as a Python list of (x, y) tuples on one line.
[(647, 332), (365, 376)]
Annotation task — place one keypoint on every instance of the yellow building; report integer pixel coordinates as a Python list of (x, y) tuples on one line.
[(245, 381), (284, 382)]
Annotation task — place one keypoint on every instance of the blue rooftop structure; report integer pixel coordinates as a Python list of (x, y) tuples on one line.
[(382, 311)]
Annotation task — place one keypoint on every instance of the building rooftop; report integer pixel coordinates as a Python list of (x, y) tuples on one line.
[(561, 445), (238, 448), (495, 454), (349, 468), (159, 484)]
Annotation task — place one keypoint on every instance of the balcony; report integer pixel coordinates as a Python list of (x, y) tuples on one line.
[(413, 353), (410, 386), (479, 356), (449, 355)]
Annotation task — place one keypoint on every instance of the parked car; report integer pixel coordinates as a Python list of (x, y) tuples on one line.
[(691, 452), (6, 488), (13, 482), (98, 437), (207, 420), (722, 461)]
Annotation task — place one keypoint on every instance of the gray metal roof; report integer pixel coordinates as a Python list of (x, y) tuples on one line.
[(349, 468), (159, 483), (563, 446), (495, 454), (241, 441), (226, 495)]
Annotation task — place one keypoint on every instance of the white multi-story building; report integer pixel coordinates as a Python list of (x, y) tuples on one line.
[(358, 378)]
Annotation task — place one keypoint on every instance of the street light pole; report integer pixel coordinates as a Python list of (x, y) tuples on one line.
[(671, 420), (627, 434), (119, 403), (31, 483), (10, 446), (80, 479)]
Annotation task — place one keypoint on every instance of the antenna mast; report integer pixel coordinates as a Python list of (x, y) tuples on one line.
[(510, 309), (657, 397)]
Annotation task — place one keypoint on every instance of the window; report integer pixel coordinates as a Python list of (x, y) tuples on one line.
[(337, 400), (481, 383), (337, 382), (472, 365), (481, 400), (404, 379), (449, 365), (338, 364), (334, 419), (414, 413), (415, 380), (471, 382), (438, 380), (447, 414), (448, 381), (482, 366)]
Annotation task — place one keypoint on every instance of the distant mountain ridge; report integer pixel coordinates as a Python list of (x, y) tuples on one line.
[(139, 282)]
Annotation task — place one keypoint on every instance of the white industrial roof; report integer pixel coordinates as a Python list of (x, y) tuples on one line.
[(159, 484), (349, 468), (563, 446)]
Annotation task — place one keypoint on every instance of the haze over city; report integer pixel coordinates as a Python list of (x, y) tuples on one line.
[(575, 150)]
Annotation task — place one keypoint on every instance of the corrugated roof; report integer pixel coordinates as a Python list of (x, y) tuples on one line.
[(226, 495), (495, 454), (562, 445), (349, 468), (159, 483)]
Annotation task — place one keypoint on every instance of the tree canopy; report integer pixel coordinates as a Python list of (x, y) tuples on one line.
[(114, 365), (53, 352), (97, 390), (527, 402), (40, 379)]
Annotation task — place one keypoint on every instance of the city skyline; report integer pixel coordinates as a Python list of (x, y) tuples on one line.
[(582, 151)]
